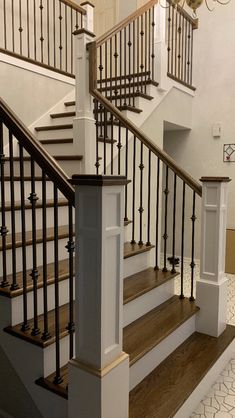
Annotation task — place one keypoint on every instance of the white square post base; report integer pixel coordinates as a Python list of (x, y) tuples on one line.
[(212, 299), (99, 393)]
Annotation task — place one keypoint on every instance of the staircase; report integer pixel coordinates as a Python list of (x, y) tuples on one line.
[(171, 364)]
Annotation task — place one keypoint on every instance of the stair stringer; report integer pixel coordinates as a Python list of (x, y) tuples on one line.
[(27, 361)]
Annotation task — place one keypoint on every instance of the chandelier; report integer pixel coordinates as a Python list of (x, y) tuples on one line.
[(195, 4)]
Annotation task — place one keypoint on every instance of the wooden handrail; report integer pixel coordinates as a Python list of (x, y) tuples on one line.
[(125, 22), (74, 6), (164, 157), (36, 151)]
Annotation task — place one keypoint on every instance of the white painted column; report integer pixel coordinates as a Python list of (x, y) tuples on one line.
[(89, 18), (160, 46), (84, 130), (212, 286), (99, 374)]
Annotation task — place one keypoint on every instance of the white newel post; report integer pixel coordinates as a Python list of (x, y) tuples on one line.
[(84, 130), (212, 286), (99, 374), (160, 45), (89, 17)]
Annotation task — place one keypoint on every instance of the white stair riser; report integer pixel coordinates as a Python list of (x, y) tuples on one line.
[(59, 149), (63, 254), (17, 303), (55, 134), (71, 167), (62, 120), (153, 358), (63, 218), (136, 263), (145, 303), (50, 355)]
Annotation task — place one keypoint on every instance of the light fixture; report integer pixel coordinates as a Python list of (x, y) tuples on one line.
[(195, 4)]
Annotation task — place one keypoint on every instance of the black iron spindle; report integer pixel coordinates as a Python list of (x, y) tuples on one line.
[(14, 284), (3, 230), (71, 249), (148, 243), (41, 28), (126, 174), (182, 245), (165, 236), (174, 225), (46, 334), (141, 209), (133, 191), (192, 264), (157, 215)]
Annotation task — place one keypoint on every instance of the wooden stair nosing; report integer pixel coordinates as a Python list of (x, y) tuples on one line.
[(49, 204), (37, 340), (63, 274), (61, 389), (162, 393), (123, 77), (131, 250), (123, 108), (63, 115), (56, 141), (144, 281), (53, 127), (63, 232)]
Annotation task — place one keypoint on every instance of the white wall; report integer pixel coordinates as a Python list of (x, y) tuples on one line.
[(28, 93), (214, 62)]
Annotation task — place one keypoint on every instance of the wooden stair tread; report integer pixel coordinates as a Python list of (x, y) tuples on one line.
[(131, 250), (63, 269), (140, 283), (147, 332), (56, 141), (53, 127), (63, 115), (63, 232), (37, 340), (164, 391), (49, 204), (140, 337)]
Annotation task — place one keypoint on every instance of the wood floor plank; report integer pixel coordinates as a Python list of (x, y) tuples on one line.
[(164, 391)]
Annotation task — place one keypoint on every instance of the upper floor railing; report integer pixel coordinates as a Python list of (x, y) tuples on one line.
[(41, 31), (179, 28)]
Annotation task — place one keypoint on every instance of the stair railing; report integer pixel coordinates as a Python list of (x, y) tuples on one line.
[(41, 31), (180, 28), (29, 175), (137, 157)]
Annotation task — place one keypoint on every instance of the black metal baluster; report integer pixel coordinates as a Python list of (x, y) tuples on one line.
[(148, 243), (60, 32), (141, 52), (35, 30), (179, 31), (120, 64), (129, 62), (138, 56), (182, 245), (174, 224), (176, 40), (3, 230), (188, 59), (101, 68), (20, 27), (141, 209), (106, 69), (126, 174), (192, 265), (183, 56), (191, 63), (111, 65), (71, 40), (133, 191), (165, 236), (119, 145), (168, 38), (66, 37), (153, 50), (157, 215), (34, 274), (149, 47), (57, 379), (28, 34), (97, 164), (71, 249), (14, 284), (116, 67), (48, 34), (54, 33), (25, 326), (146, 53), (134, 62), (13, 24), (125, 68), (45, 335), (112, 143), (105, 138), (172, 39), (41, 24)]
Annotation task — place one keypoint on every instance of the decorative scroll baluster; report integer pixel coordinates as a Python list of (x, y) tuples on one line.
[(153, 52), (33, 198), (142, 52), (192, 264), (126, 174), (20, 27), (60, 31), (41, 24), (3, 230)]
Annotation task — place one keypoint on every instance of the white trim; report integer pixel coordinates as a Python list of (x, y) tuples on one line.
[(34, 68)]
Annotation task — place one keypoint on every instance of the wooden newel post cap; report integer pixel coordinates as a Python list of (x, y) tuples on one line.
[(215, 179), (87, 3), (98, 181)]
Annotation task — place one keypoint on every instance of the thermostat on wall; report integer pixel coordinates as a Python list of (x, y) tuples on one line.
[(216, 130)]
